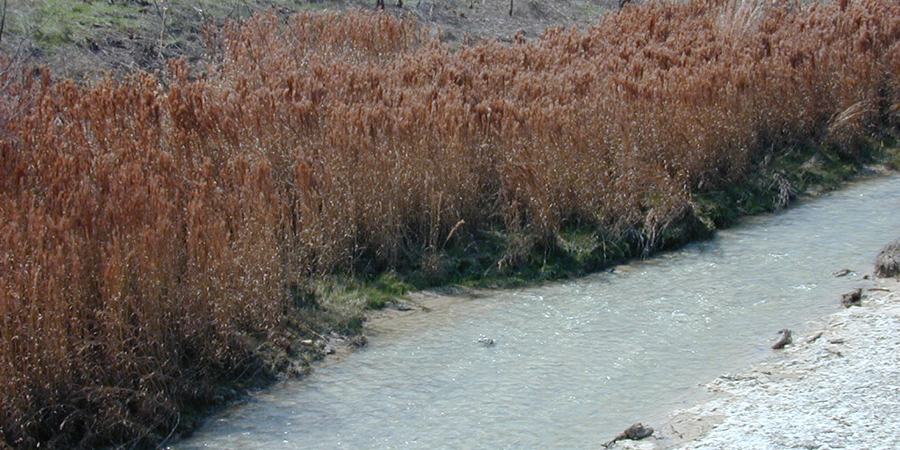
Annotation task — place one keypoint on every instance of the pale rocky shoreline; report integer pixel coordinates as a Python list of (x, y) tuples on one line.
[(837, 386)]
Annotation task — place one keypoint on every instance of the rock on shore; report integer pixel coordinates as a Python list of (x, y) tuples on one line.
[(839, 390)]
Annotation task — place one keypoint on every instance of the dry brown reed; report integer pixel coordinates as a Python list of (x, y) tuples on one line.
[(150, 226)]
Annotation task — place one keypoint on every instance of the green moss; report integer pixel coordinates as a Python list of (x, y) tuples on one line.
[(383, 289)]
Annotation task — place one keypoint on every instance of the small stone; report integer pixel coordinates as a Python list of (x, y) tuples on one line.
[(852, 298), (485, 340), (785, 339)]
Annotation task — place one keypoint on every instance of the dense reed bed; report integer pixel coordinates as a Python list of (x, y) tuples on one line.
[(152, 229)]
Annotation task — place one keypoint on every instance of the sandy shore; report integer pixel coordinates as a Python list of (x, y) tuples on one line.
[(836, 387)]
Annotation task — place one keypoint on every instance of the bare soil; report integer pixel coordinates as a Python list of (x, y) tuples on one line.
[(85, 41)]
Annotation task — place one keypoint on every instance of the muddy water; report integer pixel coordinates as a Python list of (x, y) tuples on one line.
[(576, 362)]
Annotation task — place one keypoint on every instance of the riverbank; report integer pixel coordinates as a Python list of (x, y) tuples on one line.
[(834, 387)]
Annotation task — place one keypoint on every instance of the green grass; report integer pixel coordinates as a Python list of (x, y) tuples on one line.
[(57, 22)]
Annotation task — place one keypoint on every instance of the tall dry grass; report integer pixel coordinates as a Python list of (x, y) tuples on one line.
[(129, 272), (151, 226)]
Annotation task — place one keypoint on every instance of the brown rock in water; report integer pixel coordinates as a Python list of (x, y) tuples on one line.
[(887, 263), (635, 432), (852, 298), (785, 339)]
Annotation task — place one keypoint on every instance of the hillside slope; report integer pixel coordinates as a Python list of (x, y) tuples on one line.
[(86, 38)]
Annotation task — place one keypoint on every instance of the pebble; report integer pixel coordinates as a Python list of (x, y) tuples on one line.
[(821, 400)]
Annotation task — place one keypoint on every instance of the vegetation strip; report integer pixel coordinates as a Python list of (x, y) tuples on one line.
[(168, 242)]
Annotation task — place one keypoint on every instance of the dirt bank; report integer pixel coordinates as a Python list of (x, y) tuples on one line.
[(835, 387), (88, 39)]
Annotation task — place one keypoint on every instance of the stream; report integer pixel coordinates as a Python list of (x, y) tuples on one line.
[(575, 362)]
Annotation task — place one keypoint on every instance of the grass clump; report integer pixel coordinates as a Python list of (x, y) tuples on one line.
[(167, 236)]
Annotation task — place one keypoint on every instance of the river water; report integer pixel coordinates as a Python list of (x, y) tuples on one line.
[(576, 362)]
